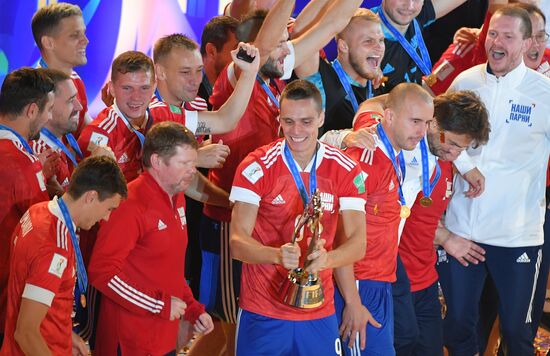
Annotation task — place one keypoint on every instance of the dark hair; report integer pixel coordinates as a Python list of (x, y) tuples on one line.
[(163, 138), (216, 31), (46, 19), (250, 25), (463, 113), (131, 62), (164, 45), (302, 89), (531, 9), (519, 13), (57, 76), (99, 173), (23, 87)]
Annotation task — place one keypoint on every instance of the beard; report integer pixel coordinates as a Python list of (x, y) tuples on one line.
[(270, 70), (361, 70)]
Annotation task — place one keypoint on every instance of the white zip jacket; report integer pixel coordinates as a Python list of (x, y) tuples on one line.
[(510, 213)]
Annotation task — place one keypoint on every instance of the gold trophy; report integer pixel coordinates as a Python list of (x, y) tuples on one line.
[(302, 289)]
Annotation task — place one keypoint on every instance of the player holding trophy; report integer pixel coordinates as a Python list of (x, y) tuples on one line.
[(273, 191)]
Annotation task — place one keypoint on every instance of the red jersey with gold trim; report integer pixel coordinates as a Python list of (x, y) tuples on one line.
[(416, 248), (42, 270), (258, 126), (23, 185), (264, 179), (138, 264), (382, 214)]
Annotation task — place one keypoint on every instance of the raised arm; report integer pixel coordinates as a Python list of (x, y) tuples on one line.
[(229, 114)]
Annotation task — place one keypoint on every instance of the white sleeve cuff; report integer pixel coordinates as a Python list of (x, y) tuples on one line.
[(38, 294), (191, 120), (289, 62), (464, 163), (348, 203), (335, 137), (244, 195)]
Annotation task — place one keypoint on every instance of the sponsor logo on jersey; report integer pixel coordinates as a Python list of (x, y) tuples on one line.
[(183, 219), (161, 225), (278, 200), (414, 162), (253, 172), (123, 158), (520, 113), (523, 258), (58, 265)]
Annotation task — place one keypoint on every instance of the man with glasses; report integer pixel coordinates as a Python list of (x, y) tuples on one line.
[(507, 219)]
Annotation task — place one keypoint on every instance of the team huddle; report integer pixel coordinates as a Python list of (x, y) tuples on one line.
[(257, 198)]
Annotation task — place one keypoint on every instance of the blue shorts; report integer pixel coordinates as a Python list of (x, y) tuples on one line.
[(377, 297), (259, 335), (220, 274)]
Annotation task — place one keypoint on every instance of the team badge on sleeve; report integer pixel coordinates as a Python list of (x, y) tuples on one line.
[(359, 182), (98, 139), (253, 172), (58, 265)]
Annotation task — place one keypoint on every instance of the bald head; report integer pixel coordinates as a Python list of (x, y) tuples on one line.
[(404, 93)]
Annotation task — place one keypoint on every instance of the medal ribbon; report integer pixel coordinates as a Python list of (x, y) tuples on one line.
[(425, 62), (80, 269), (42, 63), (140, 136), (342, 76), (23, 142), (427, 187), (298, 178), (400, 171), (268, 91), (61, 146)]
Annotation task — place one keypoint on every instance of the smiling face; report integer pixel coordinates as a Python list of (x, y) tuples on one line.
[(535, 52), (505, 44), (300, 122), (132, 92), (274, 66), (181, 70), (402, 12), (363, 47), (69, 41), (66, 108)]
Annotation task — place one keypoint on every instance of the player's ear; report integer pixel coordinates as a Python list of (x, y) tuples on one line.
[(342, 46), (91, 196), (47, 42), (210, 49), (388, 116), (321, 118), (160, 72)]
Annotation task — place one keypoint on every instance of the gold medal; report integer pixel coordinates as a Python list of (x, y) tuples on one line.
[(431, 79), (405, 212), (426, 201), (83, 300)]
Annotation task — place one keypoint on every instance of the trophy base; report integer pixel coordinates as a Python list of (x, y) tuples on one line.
[(303, 290)]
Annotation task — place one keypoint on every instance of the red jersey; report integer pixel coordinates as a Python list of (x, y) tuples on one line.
[(138, 264), (23, 184), (83, 99), (382, 214), (110, 128), (65, 167), (264, 179), (416, 248), (42, 270), (258, 126)]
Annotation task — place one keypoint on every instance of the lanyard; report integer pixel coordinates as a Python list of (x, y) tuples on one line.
[(23, 142), (42, 63), (139, 135), (400, 171), (80, 269), (268, 91), (61, 146), (347, 85), (427, 187), (298, 178), (424, 63)]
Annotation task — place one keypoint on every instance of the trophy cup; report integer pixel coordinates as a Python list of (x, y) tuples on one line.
[(302, 289)]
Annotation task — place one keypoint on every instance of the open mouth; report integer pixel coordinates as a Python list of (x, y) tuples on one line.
[(497, 54), (373, 61), (298, 139), (534, 55)]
